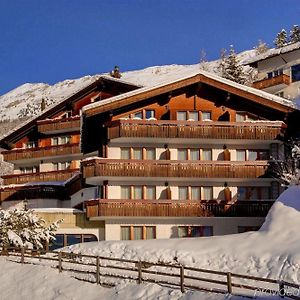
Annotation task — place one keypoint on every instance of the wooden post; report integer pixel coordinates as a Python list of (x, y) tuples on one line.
[(229, 284), (59, 262), (22, 255), (139, 272), (281, 289), (98, 270), (182, 279)]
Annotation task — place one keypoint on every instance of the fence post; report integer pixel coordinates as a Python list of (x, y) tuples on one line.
[(22, 255), (139, 272), (98, 270), (182, 279), (59, 262), (229, 284), (281, 289)]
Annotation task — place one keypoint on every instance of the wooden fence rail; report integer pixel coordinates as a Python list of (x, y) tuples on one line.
[(180, 276)]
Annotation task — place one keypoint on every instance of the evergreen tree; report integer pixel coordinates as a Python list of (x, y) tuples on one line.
[(262, 47), (231, 68), (281, 39), (295, 34)]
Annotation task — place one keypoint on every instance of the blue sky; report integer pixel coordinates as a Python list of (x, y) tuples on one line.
[(49, 41)]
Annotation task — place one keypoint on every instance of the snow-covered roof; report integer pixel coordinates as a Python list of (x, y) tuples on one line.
[(187, 75), (272, 52)]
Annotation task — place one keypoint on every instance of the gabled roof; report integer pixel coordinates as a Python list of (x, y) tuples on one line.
[(252, 94), (271, 53), (25, 127)]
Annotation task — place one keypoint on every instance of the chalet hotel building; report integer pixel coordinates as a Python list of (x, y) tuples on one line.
[(185, 158)]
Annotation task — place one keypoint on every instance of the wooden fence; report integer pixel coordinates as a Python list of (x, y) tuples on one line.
[(104, 269)]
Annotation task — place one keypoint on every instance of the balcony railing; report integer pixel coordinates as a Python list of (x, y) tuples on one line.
[(175, 208), (163, 168), (58, 125), (62, 175), (265, 83), (41, 152), (193, 129), (35, 192)]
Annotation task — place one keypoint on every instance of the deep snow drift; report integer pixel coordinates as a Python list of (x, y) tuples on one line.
[(273, 251)]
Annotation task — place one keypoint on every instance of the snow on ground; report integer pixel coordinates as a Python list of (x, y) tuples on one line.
[(272, 252)]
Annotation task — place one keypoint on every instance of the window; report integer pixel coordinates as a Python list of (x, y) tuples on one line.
[(73, 239), (125, 192), (240, 155), (206, 115), (295, 70), (150, 192), (150, 153), (54, 141), (89, 238), (206, 154), (125, 153), (194, 231), (183, 193), (242, 229), (150, 114), (194, 154), (253, 193), (181, 115), (137, 153), (240, 117), (61, 166), (63, 240), (26, 170), (138, 115), (138, 232), (60, 140), (194, 115), (195, 193), (182, 154), (252, 155), (150, 232), (137, 192), (207, 193), (125, 232), (30, 144)]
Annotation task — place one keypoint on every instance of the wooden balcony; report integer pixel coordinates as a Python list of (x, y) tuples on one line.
[(51, 176), (59, 125), (175, 208), (194, 130), (266, 83), (163, 168), (41, 152)]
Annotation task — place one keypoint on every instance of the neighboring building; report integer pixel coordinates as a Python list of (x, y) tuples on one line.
[(185, 158), (278, 71), (45, 150)]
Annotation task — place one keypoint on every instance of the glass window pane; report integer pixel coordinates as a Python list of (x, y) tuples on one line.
[(194, 154), (89, 238), (295, 73), (150, 193), (181, 115), (207, 193), (265, 193), (207, 231), (125, 153), (195, 193), (125, 192), (54, 141), (194, 115), (138, 115), (150, 153), (252, 193), (240, 155), (150, 232), (206, 154), (150, 114), (137, 192), (73, 239), (183, 193), (182, 231), (263, 155), (125, 233), (58, 242), (182, 154), (240, 117), (241, 193), (137, 153), (206, 115), (252, 155), (137, 232)]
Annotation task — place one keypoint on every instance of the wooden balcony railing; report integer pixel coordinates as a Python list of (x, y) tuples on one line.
[(192, 129), (41, 152), (34, 192), (265, 83), (175, 208), (51, 176), (163, 168), (57, 125)]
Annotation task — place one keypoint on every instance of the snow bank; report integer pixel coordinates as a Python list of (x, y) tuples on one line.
[(273, 251)]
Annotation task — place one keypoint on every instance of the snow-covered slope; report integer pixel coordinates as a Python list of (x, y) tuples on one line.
[(25, 100), (273, 251)]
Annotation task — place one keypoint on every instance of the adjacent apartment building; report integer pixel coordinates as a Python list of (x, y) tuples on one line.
[(278, 71)]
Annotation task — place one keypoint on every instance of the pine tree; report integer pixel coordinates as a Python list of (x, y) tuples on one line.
[(295, 34), (262, 47), (231, 68), (281, 39)]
